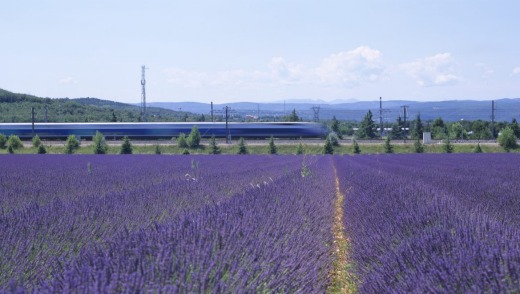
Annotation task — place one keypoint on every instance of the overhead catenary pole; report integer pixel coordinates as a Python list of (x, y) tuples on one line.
[(381, 116), (143, 94), (227, 128), (211, 111), (32, 120), (405, 115), (493, 108)]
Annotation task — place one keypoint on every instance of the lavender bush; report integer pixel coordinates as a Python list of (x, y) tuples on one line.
[(165, 223), (433, 223)]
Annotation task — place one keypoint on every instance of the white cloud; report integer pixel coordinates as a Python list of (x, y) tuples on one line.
[(516, 70), (351, 68), (287, 73), (343, 69), (68, 81), (437, 70), (486, 70)]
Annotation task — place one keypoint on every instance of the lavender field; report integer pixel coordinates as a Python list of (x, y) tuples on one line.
[(433, 223), (242, 224)]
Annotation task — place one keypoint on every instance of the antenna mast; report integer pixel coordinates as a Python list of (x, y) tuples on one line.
[(143, 94)]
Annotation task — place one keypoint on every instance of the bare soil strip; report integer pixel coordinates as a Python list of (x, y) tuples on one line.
[(343, 279)]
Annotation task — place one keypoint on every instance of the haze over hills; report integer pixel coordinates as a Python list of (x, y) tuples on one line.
[(453, 110), (16, 108)]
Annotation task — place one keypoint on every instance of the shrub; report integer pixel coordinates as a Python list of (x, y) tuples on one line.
[(447, 147), (333, 138), (214, 149), (186, 152), (272, 146), (100, 145), (181, 141), (36, 142), (478, 149), (389, 148), (327, 148), (157, 149), (507, 139), (242, 148), (10, 149), (193, 140), (300, 149), (71, 145), (3, 141), (126, 147), (356, 147), (418, 146), (41, 149), (14, 142)]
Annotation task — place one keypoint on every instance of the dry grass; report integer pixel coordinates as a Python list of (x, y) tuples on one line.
[(342, 277)]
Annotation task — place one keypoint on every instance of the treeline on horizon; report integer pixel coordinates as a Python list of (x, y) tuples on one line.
[(15, 107)]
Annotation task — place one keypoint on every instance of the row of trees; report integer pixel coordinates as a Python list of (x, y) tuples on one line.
[(440, 130)]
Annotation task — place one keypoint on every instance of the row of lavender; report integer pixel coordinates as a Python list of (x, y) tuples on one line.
[(191, 224), (433, 223)]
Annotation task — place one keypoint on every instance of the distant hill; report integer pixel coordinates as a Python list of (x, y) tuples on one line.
[(16, 107), (453, 110)]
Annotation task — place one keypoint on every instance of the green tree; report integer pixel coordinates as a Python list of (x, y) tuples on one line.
[(36, 142), (114, 117), (14, 142), (418, 128), (157, 149), (242, 148), (438, 129), (71, 145), (272, 146), (328, 148), (335, 127), (418, 146), (213, 147), (193, 140), (41, 149), (515, 127), (507, 139), (292, 117), (447, 147), (457, 131), (480, 130), (126, 147), (397, 129), (10, 149), (356, 148), (389, 148), (99, 143), (181, 141), (333, 138), (367, 127), (186, 152), (300, 149), (478, 149), (3, 141)]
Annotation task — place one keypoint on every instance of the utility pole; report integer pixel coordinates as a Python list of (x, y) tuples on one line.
[(381, 116), (211, 111), (258, 112), (46, 110), (493, 108), (227, 127), (405, 115), (32, 119)]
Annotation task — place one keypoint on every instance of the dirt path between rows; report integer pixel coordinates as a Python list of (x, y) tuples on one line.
[(343, 279)]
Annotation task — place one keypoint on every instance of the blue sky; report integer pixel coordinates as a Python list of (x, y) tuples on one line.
[(261, 51)]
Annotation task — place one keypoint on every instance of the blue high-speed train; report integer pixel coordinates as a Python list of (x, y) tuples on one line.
[(165, 129)]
